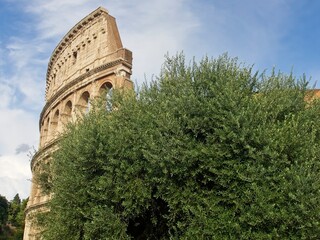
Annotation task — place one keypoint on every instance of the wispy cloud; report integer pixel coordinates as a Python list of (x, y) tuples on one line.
[(153, 28), (55, 18), (17, 126), (15, 176), (7, 95), (22, 148)]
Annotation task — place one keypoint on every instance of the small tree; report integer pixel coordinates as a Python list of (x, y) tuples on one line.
[(208, 151), (3, 211), (14, 209)]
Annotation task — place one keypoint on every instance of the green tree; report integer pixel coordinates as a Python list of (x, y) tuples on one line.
[(19, 219), (208, 151), (14, 210), (4, 205), (12, 225)]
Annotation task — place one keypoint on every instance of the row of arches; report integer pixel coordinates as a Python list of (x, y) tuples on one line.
[(67, 111)]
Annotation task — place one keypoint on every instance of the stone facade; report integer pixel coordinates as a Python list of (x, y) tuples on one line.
[(89, 59)]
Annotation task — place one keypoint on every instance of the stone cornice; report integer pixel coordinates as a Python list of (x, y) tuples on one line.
[(79, 79), (35, 207), (43, 150), (69, 38)]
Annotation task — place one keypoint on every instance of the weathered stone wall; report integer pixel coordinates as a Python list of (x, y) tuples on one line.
[(89, 59)]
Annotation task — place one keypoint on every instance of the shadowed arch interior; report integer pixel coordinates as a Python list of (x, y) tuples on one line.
[(106, 89), (84, 102)]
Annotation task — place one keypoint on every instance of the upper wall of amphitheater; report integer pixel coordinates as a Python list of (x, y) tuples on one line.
[(92, 42)]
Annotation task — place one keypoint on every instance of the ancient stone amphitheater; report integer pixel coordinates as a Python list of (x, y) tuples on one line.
[(88, 61)]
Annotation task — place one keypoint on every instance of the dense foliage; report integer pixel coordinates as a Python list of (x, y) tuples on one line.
[(4, 206), (12, 218), (208, 151)]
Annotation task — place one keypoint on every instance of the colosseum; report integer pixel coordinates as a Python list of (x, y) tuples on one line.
[(89, 60)]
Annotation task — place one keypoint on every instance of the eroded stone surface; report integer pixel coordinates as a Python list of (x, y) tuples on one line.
[(89, 59)]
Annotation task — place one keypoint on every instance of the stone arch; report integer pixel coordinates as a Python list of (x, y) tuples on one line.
[(54, 122), (66, 115), (106, 89), (84, 102), (105, 86), (68, 108), (46, 130), (42, 134)]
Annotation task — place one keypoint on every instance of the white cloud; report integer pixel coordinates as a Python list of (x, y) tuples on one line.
[(15, 175), (2, 59), (22, 148), (22, 77), (150, 29), (15, 166), (17, 127), (19, 52), (31, 86), (24, 52), (55, 18), (7, 94)]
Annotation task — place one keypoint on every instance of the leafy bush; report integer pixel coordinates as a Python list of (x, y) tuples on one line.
[(208, 151)]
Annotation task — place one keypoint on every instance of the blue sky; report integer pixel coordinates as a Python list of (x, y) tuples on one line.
[(268, 33)]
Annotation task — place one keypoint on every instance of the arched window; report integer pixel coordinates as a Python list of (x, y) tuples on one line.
[(106, 89), (84, 103)]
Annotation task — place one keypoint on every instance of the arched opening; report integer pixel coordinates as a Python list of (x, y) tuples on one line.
[(68, 108), (42, 134), (106, 90), (46, 131), (74, 57), (84, 103), (54, 122), (67, 111)]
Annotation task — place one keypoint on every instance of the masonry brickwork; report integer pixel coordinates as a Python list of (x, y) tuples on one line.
[(88, 61)]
